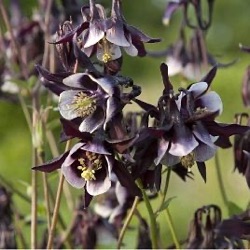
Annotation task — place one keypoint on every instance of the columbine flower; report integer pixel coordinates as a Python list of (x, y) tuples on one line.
[(104, 36), (186, 130), (242, 151), (189, 58), (94, 101), (88, 165), (208, 230)]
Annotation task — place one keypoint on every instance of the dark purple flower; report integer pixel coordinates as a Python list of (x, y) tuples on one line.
[(95, 101), (185, 129), (208, 230), (87, 165), (242, 150), (104, 36), (189, 58)]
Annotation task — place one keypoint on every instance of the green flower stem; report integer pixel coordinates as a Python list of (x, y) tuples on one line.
[(126, 223), (55, 213), (153, 225), (167, 212), (33, 234), (220, 181), (164, 194), (172, 228), (57, 206)]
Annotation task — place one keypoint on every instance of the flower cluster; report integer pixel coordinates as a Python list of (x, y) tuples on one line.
[(91, 102)]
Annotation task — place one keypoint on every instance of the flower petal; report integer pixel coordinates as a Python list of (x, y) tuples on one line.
[(66, 108), (203, 152), (211, 101), (94, 34), (70, 174), (116, 34), (96, 146), (52, 165), (162, 149), (92, 122), (198, 88), (100, 185), (80, 80), (202, 134), (183, 141)]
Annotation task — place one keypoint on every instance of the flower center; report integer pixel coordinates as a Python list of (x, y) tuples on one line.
[(89, 165), (187, 161), (83, 104), (107, 56)]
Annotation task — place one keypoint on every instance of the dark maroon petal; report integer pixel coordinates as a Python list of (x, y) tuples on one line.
[(69, 36), (52, 165), (52, 81), (70, 128), (225, 129), (96, 146), (223, 142), (141, 36), (181, 171), (208, 78), (247, 170), (126, 179), (146, 106), (84, 60), (86, 198), (167, 84), (234, 228), (202, 169)]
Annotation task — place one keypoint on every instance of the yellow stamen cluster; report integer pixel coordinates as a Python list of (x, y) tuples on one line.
[(187, 161), (90, 165), (107, 56), (83, 104)]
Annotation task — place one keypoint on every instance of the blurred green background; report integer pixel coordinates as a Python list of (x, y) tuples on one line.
[(230, 27)]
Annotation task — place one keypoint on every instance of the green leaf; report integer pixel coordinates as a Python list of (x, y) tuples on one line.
[(164, 205)]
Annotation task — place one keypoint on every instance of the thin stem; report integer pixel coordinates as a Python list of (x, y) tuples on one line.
[(153, 225), (57, 205), (34, 208), (167, 213), (55, 212), (172, 228), (165, 187), (220, 181), (46, 198), (127, 221)]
